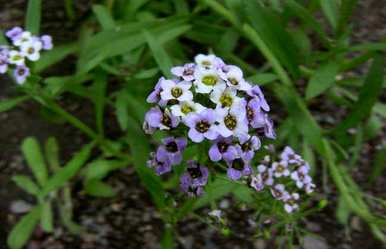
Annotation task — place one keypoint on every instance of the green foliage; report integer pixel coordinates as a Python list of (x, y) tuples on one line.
[(126, 45)]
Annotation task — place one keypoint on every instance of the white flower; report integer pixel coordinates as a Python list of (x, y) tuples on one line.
[(176, 91), (208, 61), (290, 203), (183, 108), (301, 177), (232, 121), (309, 188), (207, 80), (224, 97), (31, 50), (16, 58), (25, 37), (279, 192), (216, 213), (233, 76), (280, 169), (266, 174)]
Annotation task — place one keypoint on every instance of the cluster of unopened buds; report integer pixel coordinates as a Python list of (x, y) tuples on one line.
[(211, 104), (24, 47)]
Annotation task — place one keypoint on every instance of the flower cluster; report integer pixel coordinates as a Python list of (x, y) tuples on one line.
[(211, 103), (24, 47), (278, 175)]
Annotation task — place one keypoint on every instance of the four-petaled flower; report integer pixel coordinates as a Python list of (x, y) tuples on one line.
[(202, 125), (194, 179), (171, 149)]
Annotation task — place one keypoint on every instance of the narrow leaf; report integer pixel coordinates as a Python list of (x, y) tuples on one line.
[(51, 151), (8, 104), (33, 155), (60, 178), (22, 231), (99, 189), (368, 96), (330, 10), (53, 56), (160, 55), (26, 184), (322, 79), (33, 16), (47, 219), (104, 16)]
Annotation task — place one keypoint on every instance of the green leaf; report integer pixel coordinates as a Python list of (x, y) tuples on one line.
[(104, 16), (342, 211), (272, 31), (243, 193), (99, 189), (53, 56), (124, 39), (140, 149), (215, 190), (322, 79), (26, 184), (47, 219), (368, 96), (379, 165), (51, 152), (63, 175), (33, 16), (8, 104), (121, 110), (33, 155), (99, 87), (305, 123), (167, 241), (22, 231), (262, 78), (308, 19), (101, 168), (160, 55), (345, 11), (330, 10), (3, 39)]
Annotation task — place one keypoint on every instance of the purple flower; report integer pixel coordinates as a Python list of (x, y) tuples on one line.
[(280, 169), (193, 180), (14, 33), (156, 118), (202, 125), (255, 92), (238, 168), (171, 149), (291, 202), (222, 149), (46, 41), (161, 166), (263, 178), (155, 95), (267, 128), (3, 63), (290, 156), (278, 191), (301, 177), (255, 116), (21, 73), (186, 72), (247, 147)]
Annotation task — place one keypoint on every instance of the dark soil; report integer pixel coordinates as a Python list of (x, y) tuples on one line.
[(130, 220)]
